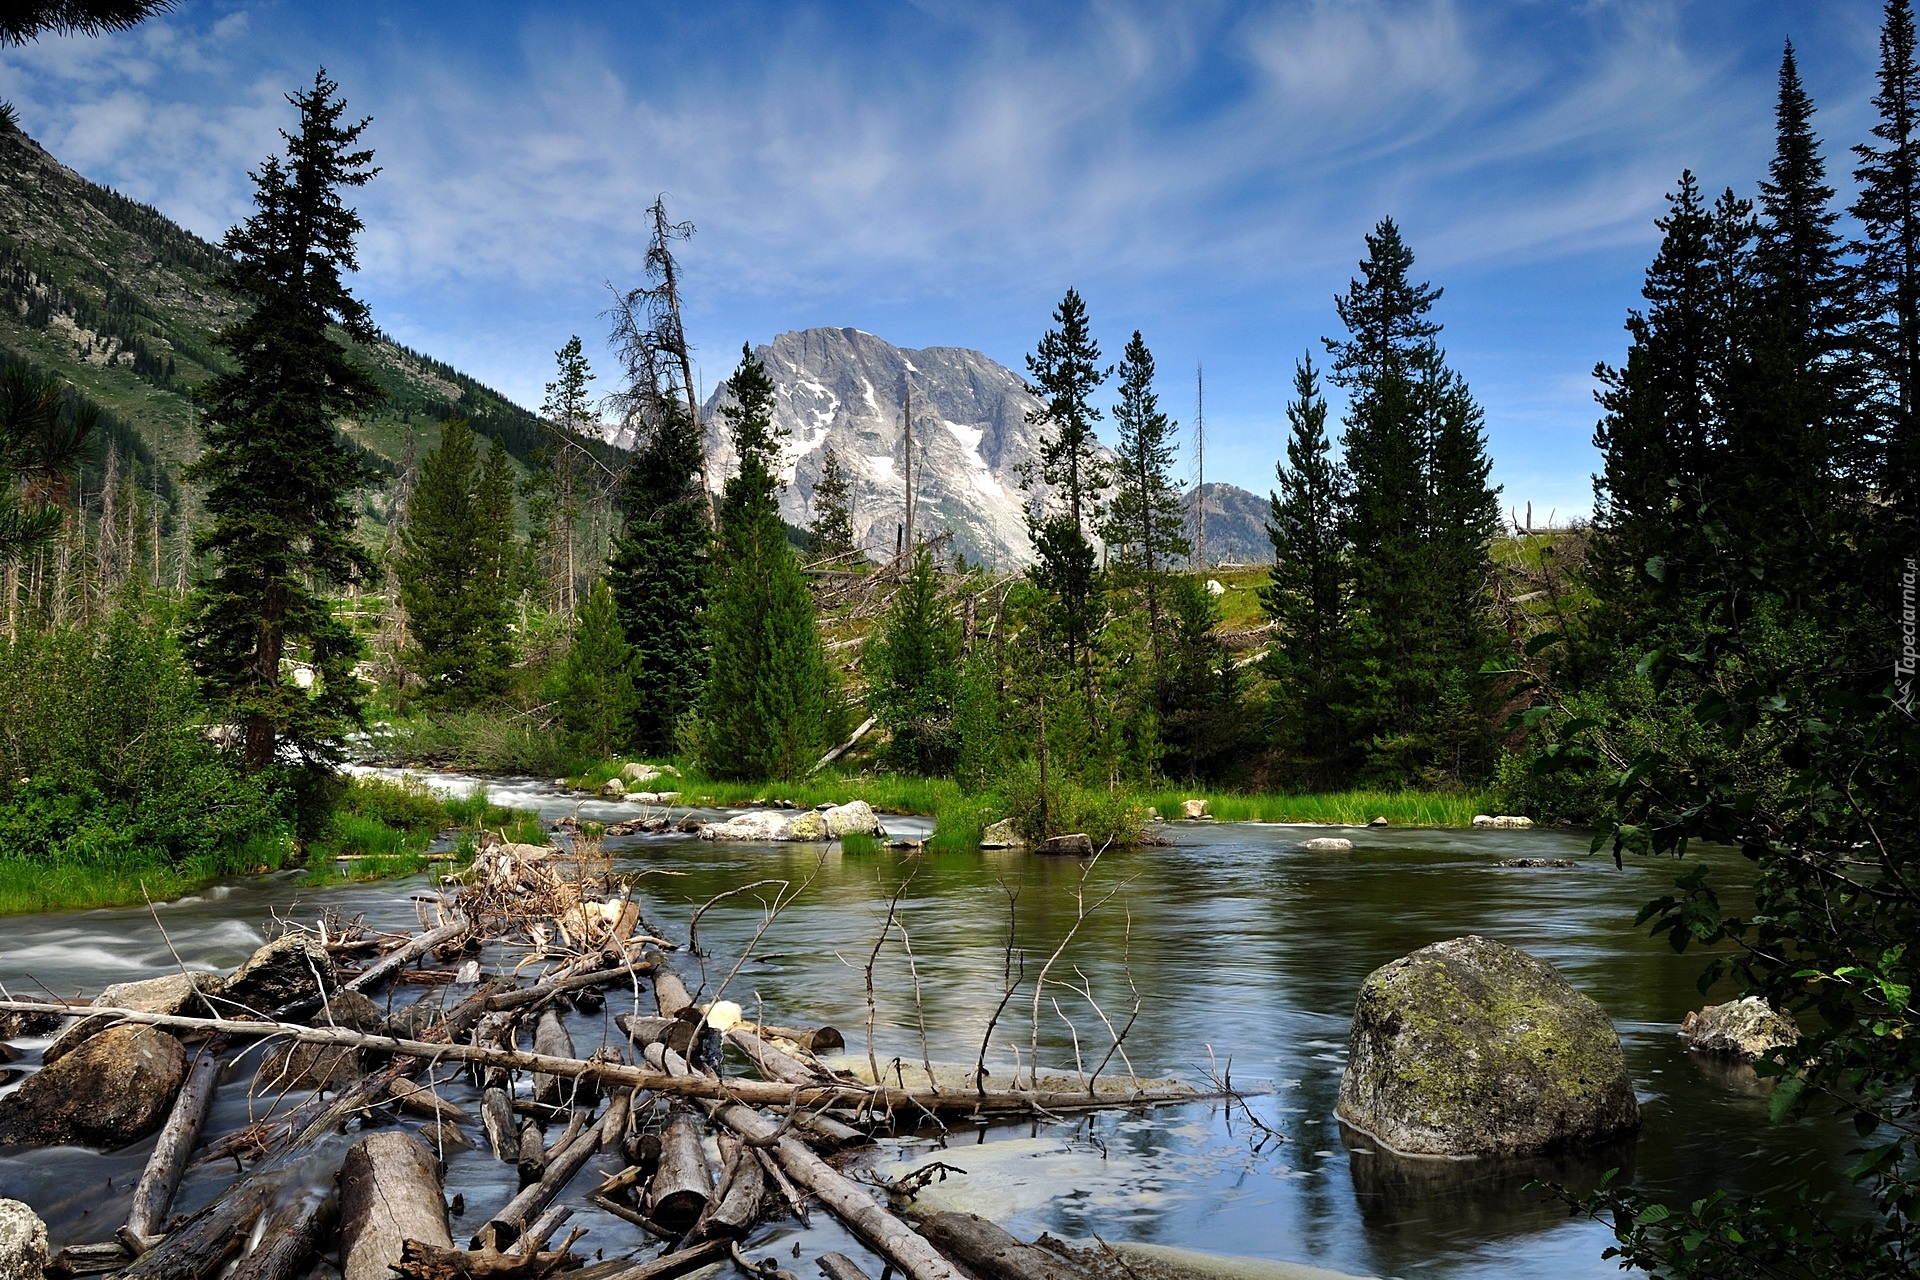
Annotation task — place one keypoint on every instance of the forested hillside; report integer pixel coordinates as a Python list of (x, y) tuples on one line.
[(114, 297)]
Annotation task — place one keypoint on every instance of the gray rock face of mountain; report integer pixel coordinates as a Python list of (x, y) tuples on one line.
[(1236, 524), (846, 390)]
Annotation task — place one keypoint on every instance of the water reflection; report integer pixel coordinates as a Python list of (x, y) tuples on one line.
[(1243, 949)]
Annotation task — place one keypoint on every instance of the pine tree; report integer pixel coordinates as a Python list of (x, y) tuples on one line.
[(453, 566), (832, 527), (566, 414), (1792, 422), (1066, 373), (658, 574), (912, 665), (1200, 707), (276, 474), (1888, 255), (768, 706), (595, 683), (1305, 593), (1145, 522), (1416, 528)]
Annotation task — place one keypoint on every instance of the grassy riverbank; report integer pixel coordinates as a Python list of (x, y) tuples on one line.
[(959, 817), (378, 830)]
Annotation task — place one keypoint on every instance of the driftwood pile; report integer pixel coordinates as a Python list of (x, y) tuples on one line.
[(348, 1163)]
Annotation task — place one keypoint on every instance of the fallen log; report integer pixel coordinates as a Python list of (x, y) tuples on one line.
[(507, 1225), (213, 1237), (838, 1266), (496, 1117), (431, 1262), (289, 1237), (991, 1252), (153, 1195), (736, 1208), (773, 1063), (550, 1038), (682, 1185), (390, 1193), (668, 1265), (395, 959), (421, 1100), (609, 1073), (532, 1157)]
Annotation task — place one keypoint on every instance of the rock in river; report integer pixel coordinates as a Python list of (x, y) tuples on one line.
[(23, 1242), (1327, 844), (114, 1089), (1739, 1029), (1469, 1047), (769, 824), (174, 993), (1001, 835), (855, 815), (292, 967)]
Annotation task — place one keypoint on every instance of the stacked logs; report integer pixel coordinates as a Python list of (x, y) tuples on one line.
[(701, 1158)]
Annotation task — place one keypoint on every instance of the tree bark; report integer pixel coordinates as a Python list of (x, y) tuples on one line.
[(290, 1237), (507, 1225), (682, 1185), (390, 1192), (991, 1253), (153, 1196), (550, 1037)]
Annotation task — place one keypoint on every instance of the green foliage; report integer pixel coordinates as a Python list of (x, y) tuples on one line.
[(1305, 595), (455, 566), (1063, 806), (659, 574), (46, 434), (105, 769), (1145, 523), (497, 740), (912, 664), (276, 474), (832, 527), (1416, 526), (1754, 580), (768, 709), (980, 747), (1201, 713), (595, 685)]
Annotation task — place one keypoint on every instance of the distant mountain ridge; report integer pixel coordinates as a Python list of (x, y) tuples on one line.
[(847, 389), (119, 299)]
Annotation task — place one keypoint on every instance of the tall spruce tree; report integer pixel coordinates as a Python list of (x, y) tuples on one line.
[(659, 574), (595, 683), (455, 566), (1416, 526), (566, 414), (1888, 259), (276, 474), (832, 527), (1145, 523), (1066, 374), (1305, 593), (912, 665), (768, 706), (1792, 424)]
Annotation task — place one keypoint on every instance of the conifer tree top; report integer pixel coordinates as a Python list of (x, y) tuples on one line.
[(1384, 311)]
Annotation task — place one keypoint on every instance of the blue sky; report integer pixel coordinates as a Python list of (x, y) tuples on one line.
[(939, 172)]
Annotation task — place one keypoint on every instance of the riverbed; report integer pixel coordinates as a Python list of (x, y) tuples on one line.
[(1243, 952)]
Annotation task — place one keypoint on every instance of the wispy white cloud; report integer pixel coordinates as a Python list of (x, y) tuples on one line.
[(1208, 165)]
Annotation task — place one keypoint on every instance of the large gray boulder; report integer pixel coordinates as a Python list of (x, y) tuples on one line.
[(292, 967), (759, 825), (855, 816), (114, 1089), (23, 1242), (1469, 1047), (174, 993), (1739, 1029)]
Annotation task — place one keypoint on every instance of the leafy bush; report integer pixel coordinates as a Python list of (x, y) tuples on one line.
[(103, 756), (1065, 806)]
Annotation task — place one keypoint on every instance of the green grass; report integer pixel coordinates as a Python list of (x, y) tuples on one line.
[(1350, 808), (383, 829), (28, 886), (861, 842)]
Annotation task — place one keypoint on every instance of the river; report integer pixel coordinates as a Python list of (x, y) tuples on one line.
[(1244, 950)]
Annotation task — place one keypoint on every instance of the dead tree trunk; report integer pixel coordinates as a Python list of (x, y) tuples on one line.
[(390, 1193), (682, 1184), (146, 1221)]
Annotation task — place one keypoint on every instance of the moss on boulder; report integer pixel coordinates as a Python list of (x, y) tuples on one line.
[(1470, 1047)]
